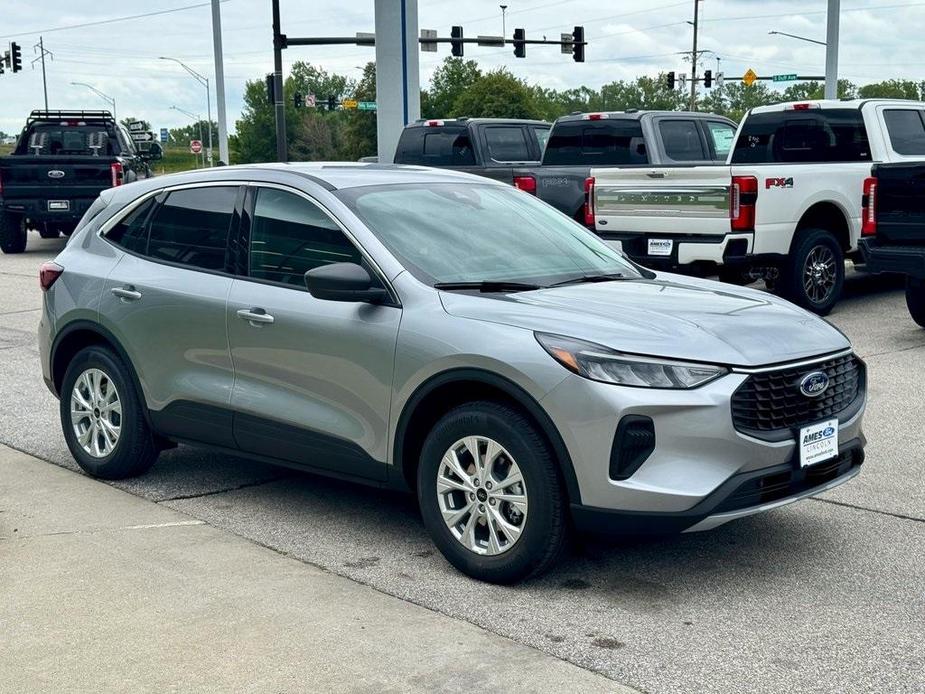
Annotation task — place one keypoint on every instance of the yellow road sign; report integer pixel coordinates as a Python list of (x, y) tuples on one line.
[(749, 77), (350, 103)]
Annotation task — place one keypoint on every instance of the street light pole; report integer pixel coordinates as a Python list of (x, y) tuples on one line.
[(203, 80), (105, 97), (693, 104), (503, 20), (219, 82), (831, 49)]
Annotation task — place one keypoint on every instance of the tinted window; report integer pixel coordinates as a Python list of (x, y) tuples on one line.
[(435, 147), (507, 143), (290, 236), (62, 140), (542, 137), (803, 136), (132, 232), (681, 139), (722, 135), (596, 143), (907, 130), (191, 227)]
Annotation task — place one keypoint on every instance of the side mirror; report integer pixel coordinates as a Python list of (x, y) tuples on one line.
[(344, 282)]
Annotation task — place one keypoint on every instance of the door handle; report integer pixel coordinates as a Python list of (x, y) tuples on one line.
[(128, 293), (255, 316)]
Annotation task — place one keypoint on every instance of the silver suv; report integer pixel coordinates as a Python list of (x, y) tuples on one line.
[(438, 332)]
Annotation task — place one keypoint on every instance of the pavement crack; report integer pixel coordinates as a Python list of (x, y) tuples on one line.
[(146, 526), (893, 351), (235, 488), (901, 516), (22, 310)]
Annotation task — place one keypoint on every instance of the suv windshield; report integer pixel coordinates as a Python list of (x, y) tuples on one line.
[(465, 232)]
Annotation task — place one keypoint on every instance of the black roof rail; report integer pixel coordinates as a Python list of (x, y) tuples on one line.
[(39, 114)]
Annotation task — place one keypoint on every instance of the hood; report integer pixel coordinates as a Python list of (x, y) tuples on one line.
[(669, 316)]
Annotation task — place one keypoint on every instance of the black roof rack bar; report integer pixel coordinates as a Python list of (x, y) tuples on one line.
[(39, 114)]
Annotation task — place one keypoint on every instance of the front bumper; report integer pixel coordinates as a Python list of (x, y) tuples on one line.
[(742, 495), (906, 260)]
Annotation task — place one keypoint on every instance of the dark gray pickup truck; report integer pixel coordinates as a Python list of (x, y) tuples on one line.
[(62, 161), (555, 164), (893, 226)]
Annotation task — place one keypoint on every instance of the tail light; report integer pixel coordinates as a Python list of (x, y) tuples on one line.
[(48, 273), (525, 183), (595, 116), (869, 208), (743, 195), (589, 201), (116, 170)]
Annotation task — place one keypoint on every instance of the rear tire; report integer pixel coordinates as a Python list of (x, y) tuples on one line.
[(515, 529), (915, 299), (12, 233), (103, 418), (815, 271)]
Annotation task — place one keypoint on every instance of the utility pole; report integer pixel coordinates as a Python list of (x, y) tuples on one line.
[(41, 47), (693, 105), (831, 49), (279, 106), (219, 82)]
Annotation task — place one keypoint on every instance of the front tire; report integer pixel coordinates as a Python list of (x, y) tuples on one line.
[(490, 495), (102, 417), (915, 299), (12, 233), (815, 272)]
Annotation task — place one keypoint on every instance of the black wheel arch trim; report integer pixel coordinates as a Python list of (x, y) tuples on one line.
[(511, 389)]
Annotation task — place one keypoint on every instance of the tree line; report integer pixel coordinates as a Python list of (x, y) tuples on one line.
[(461, 88)]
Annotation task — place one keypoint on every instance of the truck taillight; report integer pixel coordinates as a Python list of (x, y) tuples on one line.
[(589, 201), (48, 273), (116, 170), (743, 196), (869, 207), (525, 183)]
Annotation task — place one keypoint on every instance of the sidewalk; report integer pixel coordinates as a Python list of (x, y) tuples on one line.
[(103, 591)]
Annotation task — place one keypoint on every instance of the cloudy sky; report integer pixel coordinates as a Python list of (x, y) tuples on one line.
[(879, 39)]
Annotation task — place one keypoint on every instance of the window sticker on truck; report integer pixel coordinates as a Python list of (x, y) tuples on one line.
[(778, 183)]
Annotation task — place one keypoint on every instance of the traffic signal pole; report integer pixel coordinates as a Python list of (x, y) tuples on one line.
[(282, 153), (693, 105)]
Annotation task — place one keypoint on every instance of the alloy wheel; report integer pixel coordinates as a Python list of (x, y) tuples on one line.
[(96, 413), (819, 274)]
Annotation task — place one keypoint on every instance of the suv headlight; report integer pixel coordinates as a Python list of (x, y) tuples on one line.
[(603, 364)]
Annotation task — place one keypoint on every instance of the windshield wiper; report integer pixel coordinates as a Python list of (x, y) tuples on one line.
[(592, 278), (488, 286)]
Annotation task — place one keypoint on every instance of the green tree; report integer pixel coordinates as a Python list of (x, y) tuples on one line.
[(650, 93), (893, 89), (305, 78), (359, 138), (184, 134), (497, 94), (256, 128), (733, 99), (450, 81), (813, 91)]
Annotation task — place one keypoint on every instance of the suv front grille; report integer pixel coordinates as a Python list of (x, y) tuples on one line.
[(772, 402)]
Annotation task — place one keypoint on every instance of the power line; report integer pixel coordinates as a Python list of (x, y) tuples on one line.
[(108, 21)]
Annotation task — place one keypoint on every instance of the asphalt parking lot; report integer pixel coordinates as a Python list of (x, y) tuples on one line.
[(823, 596)]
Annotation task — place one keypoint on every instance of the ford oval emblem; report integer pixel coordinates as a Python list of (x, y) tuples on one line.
[(56, 173), (814, 384)]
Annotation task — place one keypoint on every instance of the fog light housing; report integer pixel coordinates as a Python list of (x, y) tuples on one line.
[(632, 445)]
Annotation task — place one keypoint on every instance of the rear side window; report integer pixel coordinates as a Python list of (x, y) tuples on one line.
[(596, 143), (542, 137), (681, 139), (832, 135), (435, 147), (291, 235), (191, 227), (722, 135), (507, 143), (132, 232), (907, 130)]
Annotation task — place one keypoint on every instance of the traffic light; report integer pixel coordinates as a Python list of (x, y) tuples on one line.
[(271, 88), (520, 45), (456, 44), (670, 80), (298, 100), (708, 78), (578, 44), (332, 103), (16, 57)]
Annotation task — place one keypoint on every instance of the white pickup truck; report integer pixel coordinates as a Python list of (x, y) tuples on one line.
[(786, 206)]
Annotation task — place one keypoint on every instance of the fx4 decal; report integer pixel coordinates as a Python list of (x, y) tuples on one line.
[(778, 183)]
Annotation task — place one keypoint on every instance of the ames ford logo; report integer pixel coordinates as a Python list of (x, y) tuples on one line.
[(814, 384), (56, 173)]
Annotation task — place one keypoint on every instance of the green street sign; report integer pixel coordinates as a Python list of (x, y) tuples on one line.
[(366, 105), (784, 78)]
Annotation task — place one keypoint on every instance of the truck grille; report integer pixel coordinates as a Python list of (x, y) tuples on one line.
[(772, 402)]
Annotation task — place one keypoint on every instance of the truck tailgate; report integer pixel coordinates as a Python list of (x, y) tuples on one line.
[(688, 200), (900, 203), (53, 177)]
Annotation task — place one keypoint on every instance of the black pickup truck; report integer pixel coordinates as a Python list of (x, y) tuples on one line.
[(893, 227), (62, 160)]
